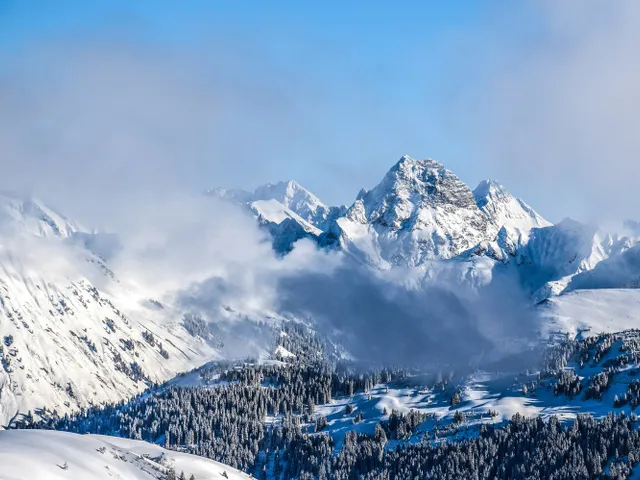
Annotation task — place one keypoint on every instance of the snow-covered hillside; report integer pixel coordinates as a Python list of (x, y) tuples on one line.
[(277, 201), (621, 269), (285, 226), (51, 455), (73, 335), (33, 216), (590, 312), (300, 201), (286, 209), (505, 210), (74, 331)]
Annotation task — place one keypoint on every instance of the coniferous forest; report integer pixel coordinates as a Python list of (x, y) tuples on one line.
[(262, 419)]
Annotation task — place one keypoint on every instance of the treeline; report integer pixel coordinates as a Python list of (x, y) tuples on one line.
[(263, 419), (532, 449), (256, 421), (228, 422), (613, 353)]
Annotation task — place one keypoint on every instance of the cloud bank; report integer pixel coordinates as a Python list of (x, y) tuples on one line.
[(557, 114), (441, 322), (123, 139)]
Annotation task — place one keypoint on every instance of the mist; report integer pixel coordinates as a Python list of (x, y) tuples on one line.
[(442, 322), (556, 111), (125, 137), (96, 125)]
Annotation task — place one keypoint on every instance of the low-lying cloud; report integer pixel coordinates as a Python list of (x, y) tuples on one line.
[(441, 323)]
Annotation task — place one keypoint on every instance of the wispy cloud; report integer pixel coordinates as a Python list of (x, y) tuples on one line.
[(125, 138), (559, 115)]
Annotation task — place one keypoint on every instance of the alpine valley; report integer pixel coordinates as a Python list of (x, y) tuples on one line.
[(93, 344)]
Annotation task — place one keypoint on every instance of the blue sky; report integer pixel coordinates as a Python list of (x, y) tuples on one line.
[(342, 89)]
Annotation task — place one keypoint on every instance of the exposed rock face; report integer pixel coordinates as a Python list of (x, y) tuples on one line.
[(419, 212)]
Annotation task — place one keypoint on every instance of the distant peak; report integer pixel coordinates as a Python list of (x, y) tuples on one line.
[(408, 170), (284, 184), (406, 160), (362, 193), (503, 209), (284, 191), (490, 188), (490, 183)]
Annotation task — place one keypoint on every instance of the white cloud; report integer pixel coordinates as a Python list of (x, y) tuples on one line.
[(561, 116)]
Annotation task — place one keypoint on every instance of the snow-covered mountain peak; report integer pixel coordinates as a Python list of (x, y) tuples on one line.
[(407, 163), (297, 198), (295, 202), (426, 178), (488, 189), (420, 211), (409, 187), (504, 210), (285, 191)]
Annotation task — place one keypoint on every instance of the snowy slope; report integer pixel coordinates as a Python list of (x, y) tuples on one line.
[(505, 210), (620, 270), (71, 332), (272, 211), (593, 311), (276, 202), (286, 210), (33, 216), (512, 218), (554, 255), (50, 455), (66, 343), (299, 200), (285, 226)]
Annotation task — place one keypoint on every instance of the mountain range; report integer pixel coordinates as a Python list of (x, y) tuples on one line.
[(75, 331), (422, 213)]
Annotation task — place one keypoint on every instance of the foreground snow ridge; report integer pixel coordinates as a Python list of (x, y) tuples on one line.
[(50, 455)]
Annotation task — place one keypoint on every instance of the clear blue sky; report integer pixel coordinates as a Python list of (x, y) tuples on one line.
[(368, 81)]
